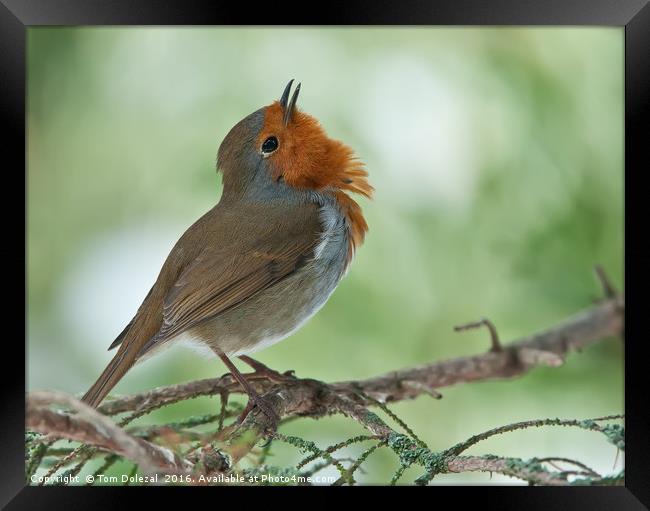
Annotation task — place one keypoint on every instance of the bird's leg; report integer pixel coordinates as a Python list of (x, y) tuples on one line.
[(265, 370), (253, 397)]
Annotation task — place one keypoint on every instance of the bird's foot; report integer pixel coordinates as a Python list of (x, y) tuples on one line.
[(257, 400), (254, 399), (266, 371)]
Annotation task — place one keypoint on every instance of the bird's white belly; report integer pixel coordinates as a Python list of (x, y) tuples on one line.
[(273, 337)]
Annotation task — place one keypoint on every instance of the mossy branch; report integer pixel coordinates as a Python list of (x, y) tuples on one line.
[(182, 449)]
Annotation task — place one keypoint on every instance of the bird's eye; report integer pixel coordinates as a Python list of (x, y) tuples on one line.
[(269, 145)]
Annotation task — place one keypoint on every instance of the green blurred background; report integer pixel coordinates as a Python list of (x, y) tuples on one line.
[(497, 158)]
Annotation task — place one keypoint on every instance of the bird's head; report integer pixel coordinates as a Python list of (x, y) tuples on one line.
[(279, 146)]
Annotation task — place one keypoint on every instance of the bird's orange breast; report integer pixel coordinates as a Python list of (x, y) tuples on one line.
[(308, 159)]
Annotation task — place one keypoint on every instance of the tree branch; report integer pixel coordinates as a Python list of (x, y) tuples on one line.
[(292, 396), (547, 347), (89, 426)]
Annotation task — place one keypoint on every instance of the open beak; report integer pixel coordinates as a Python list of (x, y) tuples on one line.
[(288, 106)]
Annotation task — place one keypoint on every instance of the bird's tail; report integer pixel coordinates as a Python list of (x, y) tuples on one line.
[(113, 373)]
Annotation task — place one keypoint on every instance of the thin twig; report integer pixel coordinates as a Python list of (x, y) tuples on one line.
[(494, 336), (608, 289)]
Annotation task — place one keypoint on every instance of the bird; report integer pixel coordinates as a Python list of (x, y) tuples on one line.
[(254, 268)]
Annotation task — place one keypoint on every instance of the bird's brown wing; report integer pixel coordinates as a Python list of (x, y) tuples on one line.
[(222, 278)]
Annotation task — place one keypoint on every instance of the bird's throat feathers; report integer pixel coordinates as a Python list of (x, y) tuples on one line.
[(307, 158)]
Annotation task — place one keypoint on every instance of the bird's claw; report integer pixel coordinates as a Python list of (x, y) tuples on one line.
[(264, 406)]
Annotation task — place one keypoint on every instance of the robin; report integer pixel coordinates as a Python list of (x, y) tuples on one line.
[(266, 258)]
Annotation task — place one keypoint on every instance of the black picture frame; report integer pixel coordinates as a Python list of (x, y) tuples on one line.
[(634, 15)]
